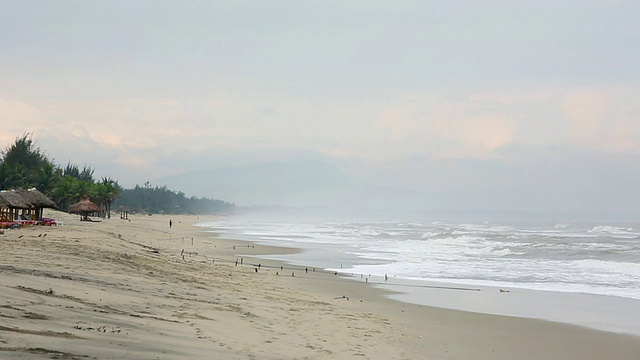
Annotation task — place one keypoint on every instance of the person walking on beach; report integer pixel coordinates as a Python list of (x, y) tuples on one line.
[(170, 223)]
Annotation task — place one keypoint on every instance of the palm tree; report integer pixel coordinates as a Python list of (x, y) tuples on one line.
[(101, 194), (106, 192), (46, 177), (84, 188), (65, 191), (15, 176), (5, 174), (112, 192)]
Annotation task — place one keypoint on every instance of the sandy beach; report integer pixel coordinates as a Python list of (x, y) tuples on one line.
[(137, 289)]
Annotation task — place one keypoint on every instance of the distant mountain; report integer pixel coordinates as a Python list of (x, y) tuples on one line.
[(290, 184)]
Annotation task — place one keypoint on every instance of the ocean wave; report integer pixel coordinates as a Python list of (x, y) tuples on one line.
[(460, 240), (505, 252), (626, 268), (428, 235), (616, 232), (597, 259)]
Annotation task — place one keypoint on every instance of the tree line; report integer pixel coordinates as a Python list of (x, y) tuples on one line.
[(159, 199), (24, 165)]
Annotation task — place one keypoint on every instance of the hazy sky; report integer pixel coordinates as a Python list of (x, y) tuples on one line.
[(487, 104)]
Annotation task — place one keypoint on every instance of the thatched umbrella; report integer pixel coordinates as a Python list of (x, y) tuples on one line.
[(124, 211), (84, 208), (13, 201)]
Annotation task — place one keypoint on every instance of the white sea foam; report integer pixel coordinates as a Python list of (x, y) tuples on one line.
[(595, 259), (614, 231)]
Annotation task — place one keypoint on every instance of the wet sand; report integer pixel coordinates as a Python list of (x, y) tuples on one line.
[(139, 290)]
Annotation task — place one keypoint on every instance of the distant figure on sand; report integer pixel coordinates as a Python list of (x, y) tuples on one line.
[(170, 223)]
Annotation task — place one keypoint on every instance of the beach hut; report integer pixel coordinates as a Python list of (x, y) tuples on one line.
[(11, 203), (38, 202), (124, 211), (84, 208)]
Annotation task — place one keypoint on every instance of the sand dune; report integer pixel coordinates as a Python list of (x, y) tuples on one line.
[(139, 290)]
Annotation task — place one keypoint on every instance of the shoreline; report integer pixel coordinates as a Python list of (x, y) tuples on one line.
[(615, 314), (140, 290), (395, 289)]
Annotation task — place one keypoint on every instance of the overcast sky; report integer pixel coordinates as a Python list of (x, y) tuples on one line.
[(488, 104)]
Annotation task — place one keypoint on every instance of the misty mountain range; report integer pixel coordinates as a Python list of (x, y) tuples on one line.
[(318, 187), (291, 184)]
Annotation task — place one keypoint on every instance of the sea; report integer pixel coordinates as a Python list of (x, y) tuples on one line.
[(585, 274)]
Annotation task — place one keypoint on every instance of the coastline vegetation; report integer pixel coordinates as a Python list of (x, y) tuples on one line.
[(159, 199), (24, 165)]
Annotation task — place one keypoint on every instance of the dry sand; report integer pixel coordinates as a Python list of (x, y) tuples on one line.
[(136, 289)]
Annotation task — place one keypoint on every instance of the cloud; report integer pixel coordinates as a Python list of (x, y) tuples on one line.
[(144, 137), (19, 117), (587, 110), (443, 128), (603, 119), (488, 124)]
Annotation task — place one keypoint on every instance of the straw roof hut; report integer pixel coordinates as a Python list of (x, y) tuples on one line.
[(124, 211), (38, 202), (84, 208), (10, 203), (11, 199), (124, 208), (36, 198)]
